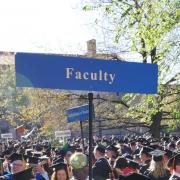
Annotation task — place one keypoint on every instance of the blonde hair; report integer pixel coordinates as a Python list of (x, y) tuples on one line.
[(157, 169)]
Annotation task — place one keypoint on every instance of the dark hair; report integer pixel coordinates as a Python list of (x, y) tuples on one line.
[(54, 175), (121, 163)]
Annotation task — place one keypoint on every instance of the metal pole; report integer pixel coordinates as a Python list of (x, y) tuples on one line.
[(90, 98), (82, 135)]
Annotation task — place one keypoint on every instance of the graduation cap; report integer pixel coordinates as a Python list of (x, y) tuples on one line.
[(112, 148), (59, 166), (175, 160), (15, 156), (28, 152), (58, 160), (146, 150), (25, 175), (157, 155), (37, 154), (100, 148), (43, 158), (133, 164), (6, 152), (168, 153), (33, 160)]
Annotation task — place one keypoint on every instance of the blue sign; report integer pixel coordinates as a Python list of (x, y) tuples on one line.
[(77, 73), (79, 113)]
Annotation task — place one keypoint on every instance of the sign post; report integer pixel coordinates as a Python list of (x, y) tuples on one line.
[(82, 135), (90, 98)]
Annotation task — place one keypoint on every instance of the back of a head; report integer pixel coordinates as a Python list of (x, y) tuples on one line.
[(121, 163), (79, 163)]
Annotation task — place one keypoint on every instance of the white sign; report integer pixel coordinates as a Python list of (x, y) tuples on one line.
[(66, 133), (6, 136)]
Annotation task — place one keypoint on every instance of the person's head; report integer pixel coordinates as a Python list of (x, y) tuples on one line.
[(134, 166), (120, 164), (171, 146), (157, 166), (33, 162), (137, 159), (178, 145), (99, 151), (133, 145), (111, 152), (144, 154), (79, 164), (17, 164), (60, 172), (68, 155), (174, 163)]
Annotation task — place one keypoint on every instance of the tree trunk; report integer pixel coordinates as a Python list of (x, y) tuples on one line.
[(156, 124)]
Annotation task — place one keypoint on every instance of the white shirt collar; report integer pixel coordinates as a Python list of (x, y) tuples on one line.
[(176, 174)]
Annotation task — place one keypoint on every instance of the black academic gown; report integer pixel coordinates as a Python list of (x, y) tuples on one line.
[(101, 169), (134, 176), (144, 167)]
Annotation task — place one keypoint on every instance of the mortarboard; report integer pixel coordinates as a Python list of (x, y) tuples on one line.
[(15, 156), (146, 150), (121, 162), (33, 160), (58, 160), (112, 148), (44, 158), (100, 148), (168, 153), (133, 164), (24, 175), (28, 152), (37, 154), (157, 155), (59, 166)]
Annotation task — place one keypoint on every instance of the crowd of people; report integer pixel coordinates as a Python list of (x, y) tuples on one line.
[(113, 158)]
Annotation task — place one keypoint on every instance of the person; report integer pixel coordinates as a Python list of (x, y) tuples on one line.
[(24, 175), (174, 165), (157, 169), (145, 158), (38, 171), (123, 148), (178, 145), (60, 172), (121, 165), (17, 165), (128, 170), (79, 164), (111, 154), (101, 169), (134, 148)]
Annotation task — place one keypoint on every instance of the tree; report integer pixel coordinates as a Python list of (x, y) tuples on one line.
[(149, 26)]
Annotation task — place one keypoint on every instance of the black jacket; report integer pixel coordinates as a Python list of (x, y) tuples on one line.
[(101, 169)]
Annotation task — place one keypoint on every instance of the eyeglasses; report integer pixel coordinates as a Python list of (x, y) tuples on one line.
[(18, 165)]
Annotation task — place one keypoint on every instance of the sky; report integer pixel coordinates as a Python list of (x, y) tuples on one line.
[(44, 25)]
